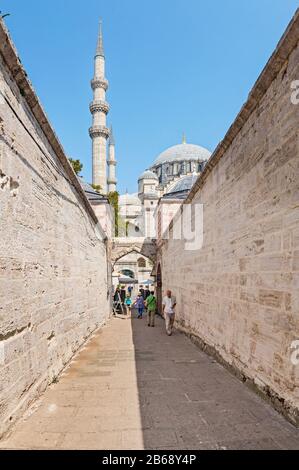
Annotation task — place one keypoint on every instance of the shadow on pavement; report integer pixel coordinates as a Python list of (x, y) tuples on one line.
[(188, 401)]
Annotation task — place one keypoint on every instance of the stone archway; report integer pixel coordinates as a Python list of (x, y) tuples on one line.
[(123, 246)]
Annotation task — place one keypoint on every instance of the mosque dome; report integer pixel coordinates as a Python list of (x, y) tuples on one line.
[(148, 175), (182, 152)]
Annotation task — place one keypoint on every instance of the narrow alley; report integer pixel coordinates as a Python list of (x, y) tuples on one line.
[(132, 387)]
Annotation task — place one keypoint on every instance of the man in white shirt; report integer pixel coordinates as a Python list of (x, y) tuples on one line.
[(168, 304)]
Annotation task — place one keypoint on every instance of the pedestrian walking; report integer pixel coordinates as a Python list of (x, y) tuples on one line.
[(139, 304), (130, 288), (128, 303), (168, 304), (151, 305)]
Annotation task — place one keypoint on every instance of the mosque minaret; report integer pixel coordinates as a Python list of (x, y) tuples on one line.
[(99, 109), (112, 181), (170, 176)]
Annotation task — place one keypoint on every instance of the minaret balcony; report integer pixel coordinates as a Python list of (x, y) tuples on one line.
[(112, 181), (99, 131), (99, 83), (112, 162), (99, 106)]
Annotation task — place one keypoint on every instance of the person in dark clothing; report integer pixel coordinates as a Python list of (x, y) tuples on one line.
[(147, 293), (130, 288), (123, 294), (117, 299), (142, 292), (116, 294)]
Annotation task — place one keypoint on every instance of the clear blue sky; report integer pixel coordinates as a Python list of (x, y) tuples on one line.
[(174, 66)]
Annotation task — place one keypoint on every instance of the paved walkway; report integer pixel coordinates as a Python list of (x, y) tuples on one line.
[(132, 387)]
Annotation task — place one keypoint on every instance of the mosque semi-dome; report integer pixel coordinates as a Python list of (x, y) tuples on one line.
[(147, 175), (182, 152), (183, 184)]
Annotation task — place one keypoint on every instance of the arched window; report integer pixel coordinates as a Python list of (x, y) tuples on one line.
[(128, 272), (199, 169), (141, 263)]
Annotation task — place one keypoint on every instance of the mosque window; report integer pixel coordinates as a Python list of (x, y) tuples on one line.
[(141, 263), (128, 273)]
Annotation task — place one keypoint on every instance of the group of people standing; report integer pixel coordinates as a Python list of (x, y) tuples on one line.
[(146, 301)]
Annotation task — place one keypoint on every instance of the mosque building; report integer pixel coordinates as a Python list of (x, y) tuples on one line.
[(173, 172), (170, 176)]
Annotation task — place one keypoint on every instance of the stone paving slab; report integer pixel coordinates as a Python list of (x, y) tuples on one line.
[(133, 387)]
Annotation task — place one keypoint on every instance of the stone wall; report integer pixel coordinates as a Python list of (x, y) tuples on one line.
[(239, 295), (105, 216), (53, 267)]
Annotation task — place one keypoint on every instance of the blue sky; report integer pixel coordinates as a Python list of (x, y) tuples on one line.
[(174, 66)]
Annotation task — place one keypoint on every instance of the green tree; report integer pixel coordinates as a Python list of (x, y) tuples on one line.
[(97, 187), (113, 198), (127, 228), (77, 165)]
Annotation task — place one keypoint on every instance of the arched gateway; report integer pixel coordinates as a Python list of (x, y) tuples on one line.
[(123, 246)]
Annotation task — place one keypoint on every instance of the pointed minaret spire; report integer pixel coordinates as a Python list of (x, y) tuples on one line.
[(111, 180), (100, 45)]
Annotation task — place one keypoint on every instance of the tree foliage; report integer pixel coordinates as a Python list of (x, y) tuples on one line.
[(113, 198), (97, 187), (77, 165)]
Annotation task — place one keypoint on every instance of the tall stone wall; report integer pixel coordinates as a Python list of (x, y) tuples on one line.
[(239, 294), (53, 266)]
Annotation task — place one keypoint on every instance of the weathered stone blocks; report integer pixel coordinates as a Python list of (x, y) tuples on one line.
[(238, 295), (53, 266)]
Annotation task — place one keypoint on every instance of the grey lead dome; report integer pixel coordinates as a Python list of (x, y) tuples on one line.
[(148, 175), (182, 152), (184, 184)]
